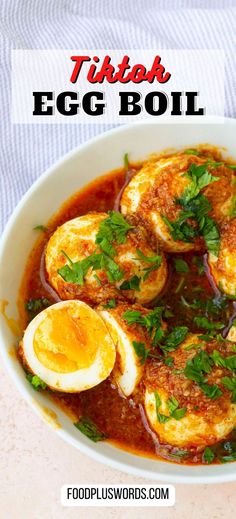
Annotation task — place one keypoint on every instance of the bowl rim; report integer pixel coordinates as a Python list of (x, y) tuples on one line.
[(126, 466)]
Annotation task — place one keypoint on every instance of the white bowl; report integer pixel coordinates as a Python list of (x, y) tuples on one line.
[(43, 199)]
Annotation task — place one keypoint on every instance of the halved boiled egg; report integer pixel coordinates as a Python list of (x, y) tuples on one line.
[(68, 346), (177, 408), (75, 241), (129, 366), (223, 266), (152, 197)]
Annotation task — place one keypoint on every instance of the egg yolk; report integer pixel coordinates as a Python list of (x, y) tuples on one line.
[(66, 340)]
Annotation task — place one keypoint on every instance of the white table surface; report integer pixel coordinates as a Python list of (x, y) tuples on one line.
[(35, 463)]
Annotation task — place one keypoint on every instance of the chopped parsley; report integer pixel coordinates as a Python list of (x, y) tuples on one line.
[(36, 382), (173, 407), (208, 455), (181, 265), (89, 429), (198, 262), (230, 384), (131, 284), (40, 228), (204, 323), (196, 369), (191, 151), (141, 351), (196, 206), (74, 272), (224, 362), (174, 339), (110, 304), (34, 306), (154, 260), (126, 161), (151, 321), (112, 229)]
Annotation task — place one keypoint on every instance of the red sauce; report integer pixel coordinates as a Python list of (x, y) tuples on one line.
[(121, 419)]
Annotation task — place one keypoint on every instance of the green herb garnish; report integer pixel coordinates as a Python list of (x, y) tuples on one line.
[(89, 429), (195, 370), (173, 407), (112, 229), (110, 304), (126, 161), (141, 351), (74, 272), (162, 418), (36, 382), (208, 455), (191, 151), (181, 265), (196, 206), (40, 228), (131, 284), (174, 339), (230, 384), (34, 306), (154, 260), (203, 322)]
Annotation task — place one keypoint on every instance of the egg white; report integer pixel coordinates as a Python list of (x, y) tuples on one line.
[(77, 239), (128, 370), (193, 429), (80, 379)]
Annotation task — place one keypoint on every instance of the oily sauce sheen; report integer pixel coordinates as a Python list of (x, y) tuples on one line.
[(122, 419)]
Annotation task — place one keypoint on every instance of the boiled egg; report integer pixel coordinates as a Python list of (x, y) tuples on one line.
[(223, 266), (129, 366), (68, 346), (152, 193), (75, 241), (201, 420)]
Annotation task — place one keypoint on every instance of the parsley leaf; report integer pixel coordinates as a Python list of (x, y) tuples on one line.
[(173, 407), (34, 306), (40, 228), (224, 362), (208, 455), (76, 271), (126, 161), (174, 339), (133, 316), (151, 321), (230, 384), (131, 284), (110, 304), (203, 322), (195, 370), (196, 206), (89, 429), (36, 382), (179, 413), (172, 404), (181, 265), (160, 417), (191, 151), (112, 229), (141, 351), (212, 391), (180, 229), (154, 260)]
